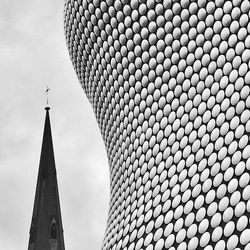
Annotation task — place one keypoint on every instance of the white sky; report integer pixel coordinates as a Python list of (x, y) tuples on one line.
[(33, 54)]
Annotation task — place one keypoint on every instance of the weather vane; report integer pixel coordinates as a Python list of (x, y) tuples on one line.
[(47, 95)]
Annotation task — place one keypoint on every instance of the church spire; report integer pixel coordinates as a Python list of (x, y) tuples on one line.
[(46, 231)]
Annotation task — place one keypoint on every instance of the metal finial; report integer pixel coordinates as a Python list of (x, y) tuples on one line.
[(47, 95)]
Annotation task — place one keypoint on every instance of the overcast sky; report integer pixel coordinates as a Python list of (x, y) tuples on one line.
[(33, 54)]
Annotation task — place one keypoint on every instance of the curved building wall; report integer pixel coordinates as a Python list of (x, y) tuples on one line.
[(169, 84)]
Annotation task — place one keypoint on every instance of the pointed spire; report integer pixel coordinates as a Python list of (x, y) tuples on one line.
[(46, 231)]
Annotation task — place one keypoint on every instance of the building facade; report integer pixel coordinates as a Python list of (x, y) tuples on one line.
[(169, 82)]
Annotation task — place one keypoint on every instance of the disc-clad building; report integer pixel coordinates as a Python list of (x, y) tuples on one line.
[(169, 82)]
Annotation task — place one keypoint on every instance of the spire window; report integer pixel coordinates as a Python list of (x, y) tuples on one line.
[(53, 230)]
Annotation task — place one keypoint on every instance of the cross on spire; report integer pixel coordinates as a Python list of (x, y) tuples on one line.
[(47, 95)]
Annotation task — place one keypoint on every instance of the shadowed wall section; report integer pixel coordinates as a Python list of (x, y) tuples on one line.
[(169, 85)]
